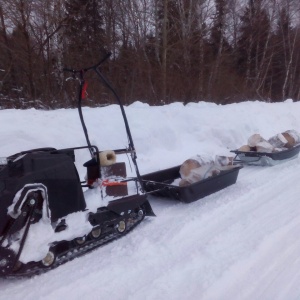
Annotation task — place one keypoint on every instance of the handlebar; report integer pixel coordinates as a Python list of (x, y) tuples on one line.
[(89, 68), (80, 74)]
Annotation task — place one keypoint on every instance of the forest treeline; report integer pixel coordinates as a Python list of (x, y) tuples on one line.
[(163, 51)]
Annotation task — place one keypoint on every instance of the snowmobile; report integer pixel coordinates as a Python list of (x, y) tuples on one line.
[(48, 216)]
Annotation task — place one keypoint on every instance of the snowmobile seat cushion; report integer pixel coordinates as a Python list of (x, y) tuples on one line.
[(91, 162)]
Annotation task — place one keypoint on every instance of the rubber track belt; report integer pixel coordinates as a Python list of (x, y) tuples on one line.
[(75, 252)]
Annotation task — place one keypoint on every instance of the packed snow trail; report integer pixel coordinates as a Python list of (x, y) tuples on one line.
[(239, 243)]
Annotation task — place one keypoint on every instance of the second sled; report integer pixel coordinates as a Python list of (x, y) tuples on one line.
[(265, 158)]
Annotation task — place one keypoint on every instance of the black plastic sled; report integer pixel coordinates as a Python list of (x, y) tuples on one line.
[(264, 158), (160, 184)]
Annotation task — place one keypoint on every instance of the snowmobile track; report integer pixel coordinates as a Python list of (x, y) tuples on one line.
[(75, 252)]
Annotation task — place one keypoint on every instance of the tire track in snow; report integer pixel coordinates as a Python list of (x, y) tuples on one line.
[(281, 268), (221, 220)]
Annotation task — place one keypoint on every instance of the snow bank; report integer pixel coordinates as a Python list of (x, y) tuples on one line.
[(239, 243)]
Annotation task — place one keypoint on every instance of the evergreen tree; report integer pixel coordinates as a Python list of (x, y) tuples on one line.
[(178, 35), (252, 42), (219, 52), (217, 37), (85, 44), (85, 37)]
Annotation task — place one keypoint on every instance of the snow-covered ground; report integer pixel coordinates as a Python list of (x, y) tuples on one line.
[(239, 243)]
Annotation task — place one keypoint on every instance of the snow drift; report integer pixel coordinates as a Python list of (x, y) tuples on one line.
[(239, 243)]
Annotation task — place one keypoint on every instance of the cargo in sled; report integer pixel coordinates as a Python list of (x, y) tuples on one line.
[(163, 184)]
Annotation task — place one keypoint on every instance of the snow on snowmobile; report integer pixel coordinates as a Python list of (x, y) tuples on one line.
[(48, 216)]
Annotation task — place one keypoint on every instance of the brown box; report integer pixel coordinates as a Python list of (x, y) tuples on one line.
[(115, 188)]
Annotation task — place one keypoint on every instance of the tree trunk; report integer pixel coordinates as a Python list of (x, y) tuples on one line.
[(164, 53)]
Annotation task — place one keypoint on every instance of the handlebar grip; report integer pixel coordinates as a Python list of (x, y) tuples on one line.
[(68, 70)]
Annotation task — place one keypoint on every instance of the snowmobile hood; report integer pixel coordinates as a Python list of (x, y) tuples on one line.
[(55, 170)]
